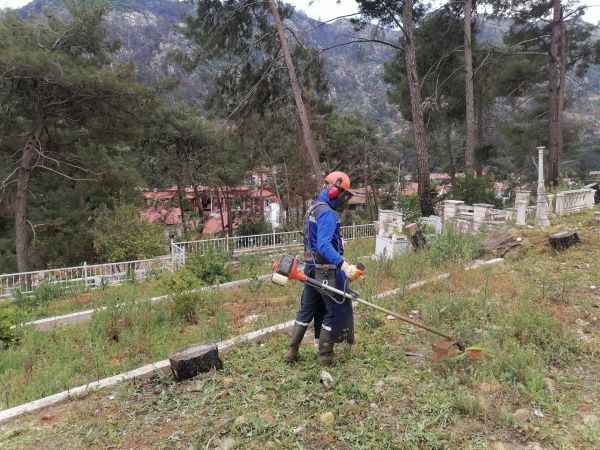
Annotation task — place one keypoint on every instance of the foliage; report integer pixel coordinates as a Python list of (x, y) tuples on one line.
[(453, 246), (210, 268), (47, 291), (9, 325), (472, 189), (248, 228), (122, 235), (181, 281), (184, 305), (438, 36), (62, 94)]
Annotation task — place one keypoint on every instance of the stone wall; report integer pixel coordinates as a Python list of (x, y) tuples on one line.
[(569, 202), (469, 218)]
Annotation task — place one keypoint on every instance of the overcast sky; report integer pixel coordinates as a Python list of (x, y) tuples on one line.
[(328, 9)]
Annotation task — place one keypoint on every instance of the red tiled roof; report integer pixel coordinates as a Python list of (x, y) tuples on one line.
[(262, 193), (168, 216)]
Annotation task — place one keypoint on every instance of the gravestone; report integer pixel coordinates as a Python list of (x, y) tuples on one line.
[(390, 241), (521, 205)]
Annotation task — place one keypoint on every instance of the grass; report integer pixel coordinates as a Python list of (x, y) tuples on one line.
[(536, 317), (51, 300), (130, 333)]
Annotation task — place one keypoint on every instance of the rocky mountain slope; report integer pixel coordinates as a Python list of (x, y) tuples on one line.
[(148, 32)]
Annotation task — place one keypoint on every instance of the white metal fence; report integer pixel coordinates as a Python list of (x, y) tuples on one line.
[(85, 276), (258, 243), (95, 275)]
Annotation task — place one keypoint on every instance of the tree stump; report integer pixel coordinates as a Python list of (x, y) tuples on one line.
[(564, 239), (191, 361)]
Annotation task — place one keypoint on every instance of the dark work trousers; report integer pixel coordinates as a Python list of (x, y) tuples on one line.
[(312, 306), (328, 311)]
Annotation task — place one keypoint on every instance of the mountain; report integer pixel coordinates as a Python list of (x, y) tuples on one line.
[(148, 32)]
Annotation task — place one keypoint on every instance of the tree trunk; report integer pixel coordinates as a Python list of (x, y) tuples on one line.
[(180, 201), (220, 201), (414, 85), (22, 235), (199, 205), (451, 159), (469, 95), (556, 91), (309, 143)]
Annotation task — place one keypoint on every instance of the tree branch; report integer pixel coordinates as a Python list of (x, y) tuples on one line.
[(362, 41)]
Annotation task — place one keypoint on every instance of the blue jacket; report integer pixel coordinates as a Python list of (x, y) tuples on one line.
[(322, 232)]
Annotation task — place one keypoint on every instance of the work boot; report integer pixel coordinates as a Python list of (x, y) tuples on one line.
[(326, 348), (297, 334)]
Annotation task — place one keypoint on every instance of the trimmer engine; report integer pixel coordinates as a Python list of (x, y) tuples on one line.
[(285, 269)]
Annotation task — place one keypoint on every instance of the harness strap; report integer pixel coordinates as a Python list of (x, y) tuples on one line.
[(311, 214)]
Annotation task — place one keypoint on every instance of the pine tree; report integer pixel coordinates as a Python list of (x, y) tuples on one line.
[(248, 39), (402, 15), (553, 33), (61, 92)]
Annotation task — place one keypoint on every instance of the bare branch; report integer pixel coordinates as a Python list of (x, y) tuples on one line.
[(64, 175), (362, 41)]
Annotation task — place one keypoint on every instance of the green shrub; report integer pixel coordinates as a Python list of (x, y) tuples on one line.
[(210, 268), (9, 321), (183, 307), (471, 190), (452, 245), (184, 302), (122, 235), (181, 281)]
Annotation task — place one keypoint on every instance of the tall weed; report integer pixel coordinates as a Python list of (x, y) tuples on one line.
[(9, 326), (210, 268), (46, 292), (453, 246)]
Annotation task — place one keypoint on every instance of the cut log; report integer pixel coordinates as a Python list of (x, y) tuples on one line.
[(564, 239), (191, 361), (500, 244)]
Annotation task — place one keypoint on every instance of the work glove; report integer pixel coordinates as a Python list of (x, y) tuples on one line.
[(352, 272)]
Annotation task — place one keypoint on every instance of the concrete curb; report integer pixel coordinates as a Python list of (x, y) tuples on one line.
[(82, 391), (50, 323)]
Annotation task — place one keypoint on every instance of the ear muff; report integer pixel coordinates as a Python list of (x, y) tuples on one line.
[(334, 191)]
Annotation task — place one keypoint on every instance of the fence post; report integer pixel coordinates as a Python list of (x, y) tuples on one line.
[(227, 243), (172, 256), (85, 274)]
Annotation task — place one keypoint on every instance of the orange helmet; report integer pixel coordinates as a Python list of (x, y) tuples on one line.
[(340, 183), (339, 179)]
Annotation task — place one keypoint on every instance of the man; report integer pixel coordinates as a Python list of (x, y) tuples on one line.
[(323, 255)]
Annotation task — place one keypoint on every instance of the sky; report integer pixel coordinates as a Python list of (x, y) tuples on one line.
[(328, 9)]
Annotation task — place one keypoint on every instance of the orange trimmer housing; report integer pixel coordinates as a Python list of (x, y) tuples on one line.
[(287, 267)]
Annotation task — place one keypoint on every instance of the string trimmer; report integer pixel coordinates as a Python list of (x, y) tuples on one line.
[(287, 268)]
